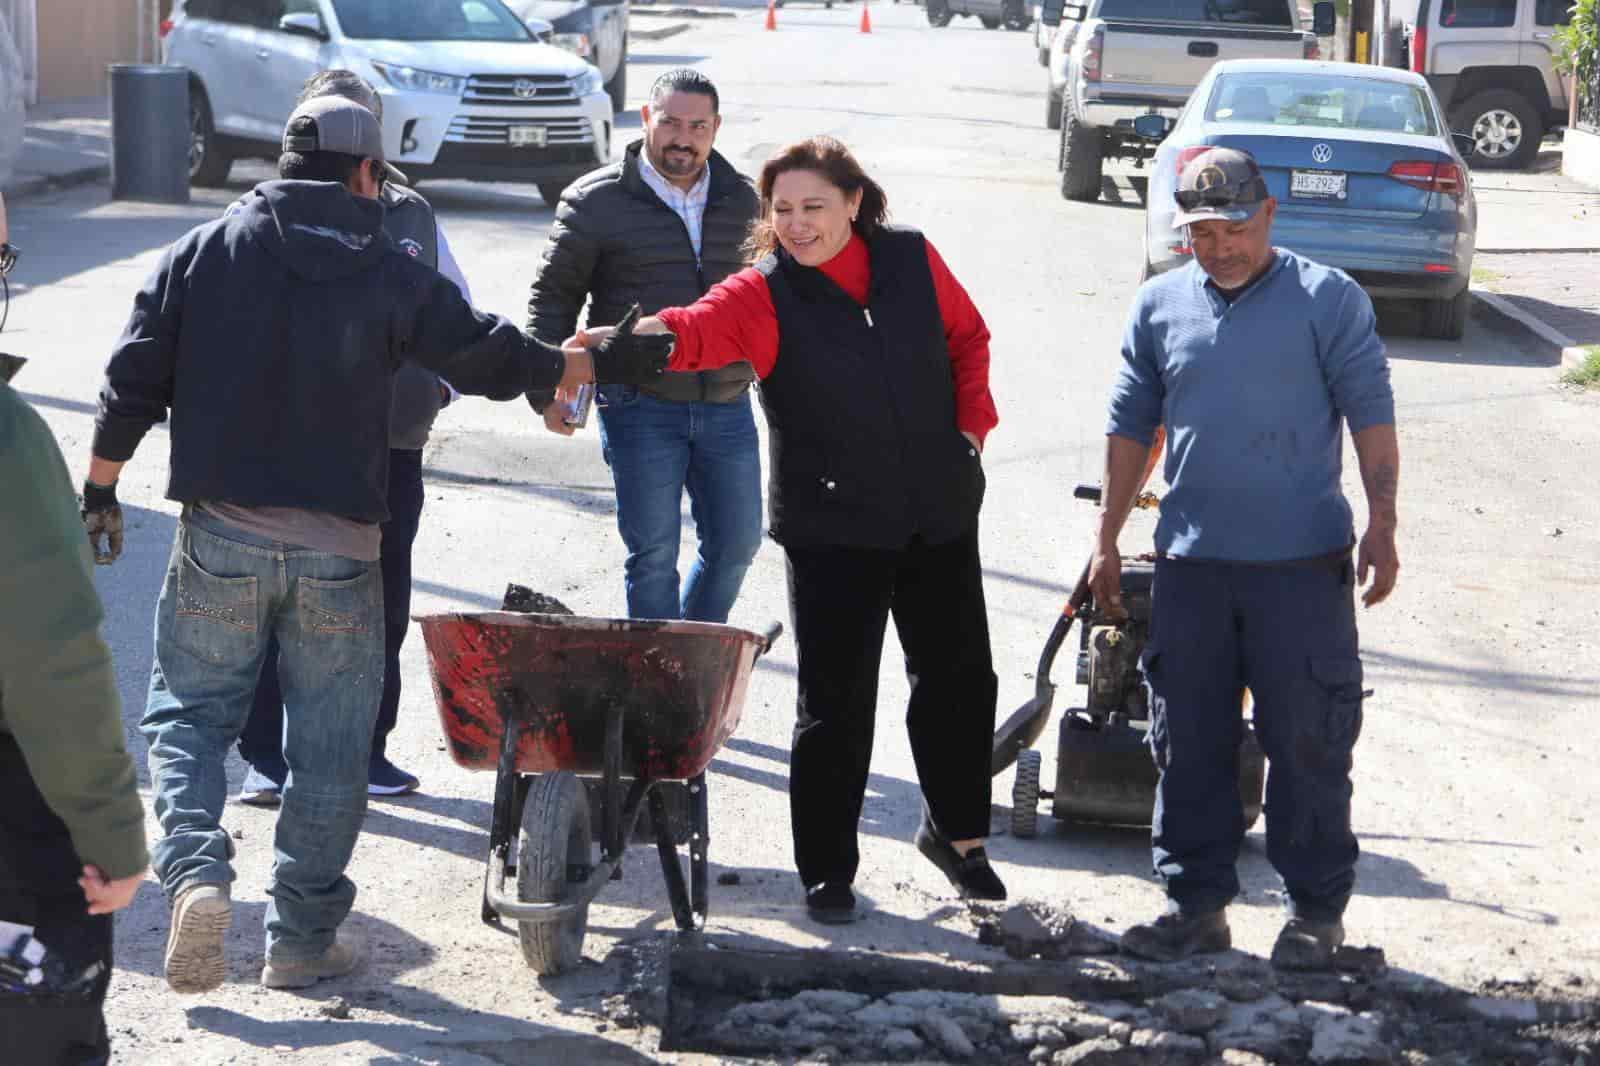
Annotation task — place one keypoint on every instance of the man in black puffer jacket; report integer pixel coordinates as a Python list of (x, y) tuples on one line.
[(659, 229)]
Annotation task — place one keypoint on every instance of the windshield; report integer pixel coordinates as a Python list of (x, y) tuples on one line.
[(429, 20), (1328, 101), (1241, 12)]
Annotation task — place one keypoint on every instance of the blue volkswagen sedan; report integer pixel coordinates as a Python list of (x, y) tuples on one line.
[(1366, 174)]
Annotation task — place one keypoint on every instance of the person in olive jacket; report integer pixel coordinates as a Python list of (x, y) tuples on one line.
[(72, 844), (658, 229), (874, 368)]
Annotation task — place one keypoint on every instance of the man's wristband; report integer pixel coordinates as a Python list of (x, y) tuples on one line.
[(99, 497)]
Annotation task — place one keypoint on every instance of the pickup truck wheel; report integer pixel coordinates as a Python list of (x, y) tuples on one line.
[(1082, 159), (1015, 17), (938, 14), (1052, 110), (618, 89), (1505, 126), (989, 23), (1446, 320), (209, 162)]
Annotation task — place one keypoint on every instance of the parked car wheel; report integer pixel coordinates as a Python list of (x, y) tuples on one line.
[(619, 81), (989, 23), (1052, 110), (1505, 126), (938, 14), (1082, 160), (1015, 16), (1044, 57), (209, 162), (1446, 320)]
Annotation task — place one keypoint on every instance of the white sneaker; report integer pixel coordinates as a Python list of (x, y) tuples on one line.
[(200, 919)]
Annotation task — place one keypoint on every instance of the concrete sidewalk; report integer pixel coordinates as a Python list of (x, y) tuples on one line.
[(1538, 257), (65, 142)]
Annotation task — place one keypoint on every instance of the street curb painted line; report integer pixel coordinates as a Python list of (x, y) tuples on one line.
[(1542, 330), (54, 182), (670, 30)]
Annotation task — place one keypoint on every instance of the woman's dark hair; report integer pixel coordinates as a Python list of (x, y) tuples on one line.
[(315, 166), (829, 158)]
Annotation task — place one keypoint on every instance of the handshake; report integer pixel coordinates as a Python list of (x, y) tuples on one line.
[(617, 355)]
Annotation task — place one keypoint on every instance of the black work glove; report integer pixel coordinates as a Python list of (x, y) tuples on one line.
[(102, 515), (8, 258), (627, 358)]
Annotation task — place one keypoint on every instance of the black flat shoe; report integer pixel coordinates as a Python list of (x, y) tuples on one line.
[(971, 873), (832, 903)]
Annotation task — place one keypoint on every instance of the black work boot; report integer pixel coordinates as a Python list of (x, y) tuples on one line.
[(1307, 945), (971, 873), (1179, 934), (832, 903)]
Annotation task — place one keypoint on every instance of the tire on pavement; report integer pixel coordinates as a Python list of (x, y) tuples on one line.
[(1082, 159), (1052, 110), (555, 837), (938, 14), (989, 23), (1506, 126), (1025, 795), (209, 161), (1446, 319), (618, 87)]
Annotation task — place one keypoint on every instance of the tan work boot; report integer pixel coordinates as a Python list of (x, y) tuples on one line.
[(200, 918), (340, 958), (1305, 945), (1177, 935)]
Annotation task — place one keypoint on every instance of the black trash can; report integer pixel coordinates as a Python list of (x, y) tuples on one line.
[(149, 133)]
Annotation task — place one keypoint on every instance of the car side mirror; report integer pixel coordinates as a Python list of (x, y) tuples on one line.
[(1465, 143), (303, 24), (1153, 127), (1075, 12), (1323, 18)]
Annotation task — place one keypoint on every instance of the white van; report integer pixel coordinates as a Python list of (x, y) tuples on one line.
[(468, 90)]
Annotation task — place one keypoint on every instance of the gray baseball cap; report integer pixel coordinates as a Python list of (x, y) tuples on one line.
[(1219, 183), (342, 126)]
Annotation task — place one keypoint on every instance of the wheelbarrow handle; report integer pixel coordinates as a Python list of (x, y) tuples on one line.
[(770, 636)]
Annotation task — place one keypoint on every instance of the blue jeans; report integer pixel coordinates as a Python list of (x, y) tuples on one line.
[(1288, 633), (261, 743), (226, 595), (656, 450)]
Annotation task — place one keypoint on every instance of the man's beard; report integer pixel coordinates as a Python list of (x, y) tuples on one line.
[(679, 162)]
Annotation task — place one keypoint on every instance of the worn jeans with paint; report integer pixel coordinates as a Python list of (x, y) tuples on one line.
[(226, 594), (1288, 634)]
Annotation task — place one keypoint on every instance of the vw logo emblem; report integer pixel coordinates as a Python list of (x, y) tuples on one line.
[(525, 89), (1321, 153)]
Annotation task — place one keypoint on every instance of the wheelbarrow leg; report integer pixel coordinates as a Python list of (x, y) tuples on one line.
[(682, 912), (611, 786), (699, 842), (510, 792)]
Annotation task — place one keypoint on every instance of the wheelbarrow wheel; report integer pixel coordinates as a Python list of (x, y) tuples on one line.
[(554, 840), (1025, 795)]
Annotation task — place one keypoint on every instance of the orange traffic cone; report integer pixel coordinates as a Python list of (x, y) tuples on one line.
[(772, 14), (866, 19)]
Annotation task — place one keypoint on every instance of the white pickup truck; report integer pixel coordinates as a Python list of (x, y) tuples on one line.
[(1126, 58)]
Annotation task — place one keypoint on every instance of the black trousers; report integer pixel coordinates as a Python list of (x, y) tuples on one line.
[(261, 743), (841, 599), (57, 1020)]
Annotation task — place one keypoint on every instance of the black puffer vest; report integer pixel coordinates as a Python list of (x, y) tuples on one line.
[(861, 407)]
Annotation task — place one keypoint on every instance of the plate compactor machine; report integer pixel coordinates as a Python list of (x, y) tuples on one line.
[(1105, 772)]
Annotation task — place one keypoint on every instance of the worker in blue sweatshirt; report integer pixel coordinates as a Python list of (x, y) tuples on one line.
[(1253, 359)]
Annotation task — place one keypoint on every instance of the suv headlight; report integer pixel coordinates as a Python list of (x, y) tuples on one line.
[(422, 81), (589, 82), (576, 43)]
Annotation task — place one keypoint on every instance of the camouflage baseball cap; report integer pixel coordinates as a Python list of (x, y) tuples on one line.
[(1219, 183)]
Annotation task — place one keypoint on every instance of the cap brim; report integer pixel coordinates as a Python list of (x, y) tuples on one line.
[(1203, 213), (396, 174)]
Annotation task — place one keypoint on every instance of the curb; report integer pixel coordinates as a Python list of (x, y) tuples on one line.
[(1571, 353), (54, 182), (683, 13), (661, 34)]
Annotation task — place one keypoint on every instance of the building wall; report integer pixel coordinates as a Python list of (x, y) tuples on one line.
[(78, 38)]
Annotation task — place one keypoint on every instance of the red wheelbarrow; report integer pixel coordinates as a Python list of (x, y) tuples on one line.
[(576, 714)]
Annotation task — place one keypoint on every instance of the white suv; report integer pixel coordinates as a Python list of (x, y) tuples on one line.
[(468, 90)]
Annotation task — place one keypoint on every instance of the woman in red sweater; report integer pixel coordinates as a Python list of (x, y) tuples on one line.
[(874, 369)]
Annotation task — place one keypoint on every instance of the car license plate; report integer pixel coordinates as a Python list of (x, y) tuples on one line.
[(529, 136), (1318, 184)]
